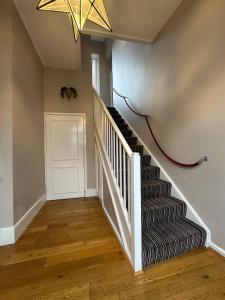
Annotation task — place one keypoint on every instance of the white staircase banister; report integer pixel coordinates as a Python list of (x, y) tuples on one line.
[(123, 173), (118, 132)]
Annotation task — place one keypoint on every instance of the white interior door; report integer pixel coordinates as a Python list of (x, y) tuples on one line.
[(65, 148)]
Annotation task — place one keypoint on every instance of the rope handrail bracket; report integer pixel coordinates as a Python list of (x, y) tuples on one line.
[(181, 164)]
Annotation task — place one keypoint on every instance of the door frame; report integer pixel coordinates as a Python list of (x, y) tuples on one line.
[(85, 146)]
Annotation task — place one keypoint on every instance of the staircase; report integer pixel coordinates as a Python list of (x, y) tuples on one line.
[(166, 232)]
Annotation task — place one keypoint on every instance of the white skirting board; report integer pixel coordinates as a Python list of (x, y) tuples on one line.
[(9, 235), (217, 248), (90, 193)]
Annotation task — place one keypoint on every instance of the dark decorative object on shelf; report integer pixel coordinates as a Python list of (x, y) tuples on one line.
[(68, 92)]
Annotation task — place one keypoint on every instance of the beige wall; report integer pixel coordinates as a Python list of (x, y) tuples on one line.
[(105, 69), (180, 82), (28, 122), (21, 119), (6, 169), (55, 79)]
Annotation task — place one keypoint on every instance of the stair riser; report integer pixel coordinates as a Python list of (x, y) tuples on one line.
[(138, 149), (150, 173), (155, 190), (127, 133), (183, 246), (164, 215), (123, 127), (132, 141), (145, 161), (119, 122)]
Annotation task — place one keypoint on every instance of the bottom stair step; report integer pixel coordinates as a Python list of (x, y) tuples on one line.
[(163, 241)]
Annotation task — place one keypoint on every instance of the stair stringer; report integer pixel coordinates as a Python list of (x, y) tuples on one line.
[(175, 191), (125, 234)]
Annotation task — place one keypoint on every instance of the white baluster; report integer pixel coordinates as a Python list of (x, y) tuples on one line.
[(117, 159), (136, 212), (120, 167), (129, 187), (124, 181)]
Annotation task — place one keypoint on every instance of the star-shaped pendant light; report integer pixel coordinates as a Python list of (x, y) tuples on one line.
[(80, 11)]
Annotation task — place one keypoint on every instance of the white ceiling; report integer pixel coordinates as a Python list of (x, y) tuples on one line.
[(140, 20), (52, 34)]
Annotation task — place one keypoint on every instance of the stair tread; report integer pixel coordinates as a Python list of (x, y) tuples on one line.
[(170, 239), (161, 202), (149, 167), (155, 188), (157, 181)]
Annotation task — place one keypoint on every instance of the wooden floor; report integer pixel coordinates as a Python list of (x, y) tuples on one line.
[(70, 252)]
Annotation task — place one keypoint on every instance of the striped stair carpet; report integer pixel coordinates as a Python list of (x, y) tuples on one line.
[(166, 232)]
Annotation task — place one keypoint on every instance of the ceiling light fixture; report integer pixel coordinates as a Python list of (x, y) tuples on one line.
[(80, 11)]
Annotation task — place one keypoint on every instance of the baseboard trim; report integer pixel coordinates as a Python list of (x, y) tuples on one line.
[(22, 224), (217, 248), (91, 193), (9, 235)]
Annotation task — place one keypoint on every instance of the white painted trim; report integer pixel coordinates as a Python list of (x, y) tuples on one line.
[(113, 226), (65, 114), (123, 238), (117, 36), (98, 171), (9, 235), (217, 248), (91, 193), (192, 214), (101, 200), (136, 224), (22, 224)]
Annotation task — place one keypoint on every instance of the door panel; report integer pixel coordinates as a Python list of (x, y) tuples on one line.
[(62, 186), (65, 146), (66, 131)]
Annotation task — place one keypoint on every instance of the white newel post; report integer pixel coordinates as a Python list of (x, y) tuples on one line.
[(136, 232)]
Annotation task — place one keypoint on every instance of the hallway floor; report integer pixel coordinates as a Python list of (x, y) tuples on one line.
[(70, 252)]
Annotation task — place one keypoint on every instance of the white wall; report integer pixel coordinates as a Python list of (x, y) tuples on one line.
[(180, 82)]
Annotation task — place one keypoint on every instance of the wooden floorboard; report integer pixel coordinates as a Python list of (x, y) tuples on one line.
[(70, 252)]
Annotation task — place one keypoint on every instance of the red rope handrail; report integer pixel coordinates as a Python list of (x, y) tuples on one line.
[(192, 165)]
